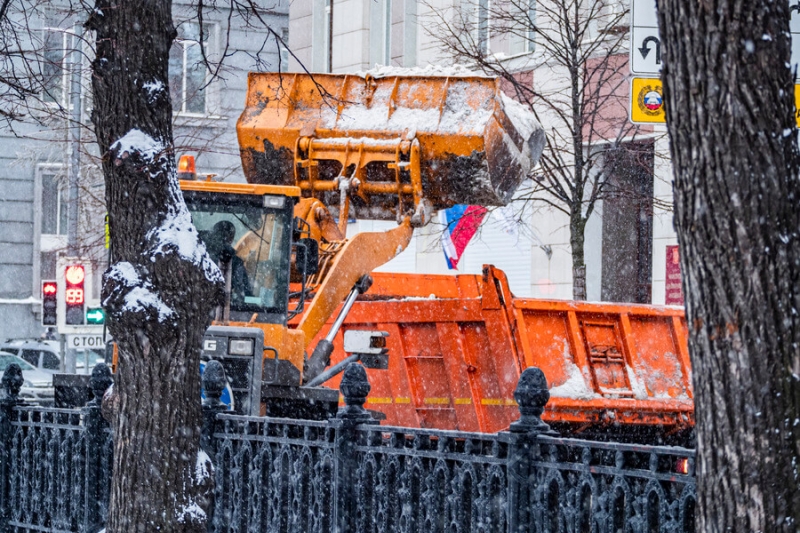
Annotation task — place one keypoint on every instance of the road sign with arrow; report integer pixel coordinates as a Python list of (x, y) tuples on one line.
[(645, 41)]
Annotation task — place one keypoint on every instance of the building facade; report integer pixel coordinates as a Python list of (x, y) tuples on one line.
[(38, 154), (630, 229)]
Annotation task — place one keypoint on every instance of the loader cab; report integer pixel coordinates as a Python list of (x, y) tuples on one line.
[(247, 231)]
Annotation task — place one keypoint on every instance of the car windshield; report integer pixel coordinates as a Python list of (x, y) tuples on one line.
[(7, 359), (251, 245)]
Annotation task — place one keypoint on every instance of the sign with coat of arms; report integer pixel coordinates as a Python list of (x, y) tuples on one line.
[(647, 101)]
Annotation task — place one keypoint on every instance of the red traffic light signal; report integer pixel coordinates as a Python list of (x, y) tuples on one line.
[(75, 274), (74, 294), (49, 288), (49, 303)]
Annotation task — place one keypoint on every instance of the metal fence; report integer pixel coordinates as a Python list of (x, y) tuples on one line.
[(350, 474), (55, 464)]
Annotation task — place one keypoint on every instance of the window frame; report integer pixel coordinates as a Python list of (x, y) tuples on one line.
[(528, 42), (61, 203), (66, 35), (210, 30), (43, 242), (483, 32)]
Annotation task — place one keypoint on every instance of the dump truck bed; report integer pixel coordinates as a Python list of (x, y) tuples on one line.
[(458, 344)]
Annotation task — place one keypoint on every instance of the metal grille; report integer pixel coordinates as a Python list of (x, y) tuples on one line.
[(273, 475), (289, 475), (49, 484)]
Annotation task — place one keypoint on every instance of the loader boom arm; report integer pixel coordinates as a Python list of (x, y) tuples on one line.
[(360, 255)]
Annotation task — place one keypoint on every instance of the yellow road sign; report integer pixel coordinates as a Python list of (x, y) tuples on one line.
[(647, 101), (797, 104)]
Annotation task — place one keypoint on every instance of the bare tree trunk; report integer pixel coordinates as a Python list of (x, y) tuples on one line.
[(161, 286), (729, 108), (577, 225)]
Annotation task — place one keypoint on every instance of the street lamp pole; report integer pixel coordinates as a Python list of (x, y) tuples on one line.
[(74, 166)]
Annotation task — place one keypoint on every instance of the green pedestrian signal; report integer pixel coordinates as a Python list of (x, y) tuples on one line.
[(95, 315)]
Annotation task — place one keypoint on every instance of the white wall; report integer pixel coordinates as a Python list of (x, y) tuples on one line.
[(663, 227), (539, 263)]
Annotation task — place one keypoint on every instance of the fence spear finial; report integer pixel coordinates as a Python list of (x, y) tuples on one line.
[(531, 395)]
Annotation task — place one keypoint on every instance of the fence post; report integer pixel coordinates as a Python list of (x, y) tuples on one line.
[(531, 395), (95, 426), (214, 381), (11, 383), (354, 388)]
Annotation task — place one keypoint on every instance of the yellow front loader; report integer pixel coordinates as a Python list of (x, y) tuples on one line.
[(317, 150)]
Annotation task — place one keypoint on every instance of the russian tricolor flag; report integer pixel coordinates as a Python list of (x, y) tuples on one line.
[(461, 223)]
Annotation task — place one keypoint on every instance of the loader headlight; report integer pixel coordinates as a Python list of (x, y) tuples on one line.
[(240, 347), (273, 201)]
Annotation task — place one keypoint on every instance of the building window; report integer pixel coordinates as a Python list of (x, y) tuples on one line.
[(482, 26), (55, 74), (188, 74), (522, 34), (54, 205)]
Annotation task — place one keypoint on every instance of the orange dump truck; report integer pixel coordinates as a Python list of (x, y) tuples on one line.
[(458, 344)]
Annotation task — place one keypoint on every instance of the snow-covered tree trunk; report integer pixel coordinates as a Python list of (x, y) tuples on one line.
[(729, 103), (161, 286)]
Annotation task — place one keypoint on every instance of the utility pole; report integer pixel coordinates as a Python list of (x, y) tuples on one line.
[(74, 164), (75, 141)]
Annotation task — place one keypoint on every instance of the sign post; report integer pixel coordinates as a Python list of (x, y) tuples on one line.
[(794, 30)]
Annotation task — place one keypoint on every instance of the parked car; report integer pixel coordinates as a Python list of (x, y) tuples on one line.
[(38, 384), (42, 354), (46, 355)]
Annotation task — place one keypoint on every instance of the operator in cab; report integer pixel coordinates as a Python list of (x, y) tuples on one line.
[(220, 247)]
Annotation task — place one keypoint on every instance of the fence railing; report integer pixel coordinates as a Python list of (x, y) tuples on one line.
[(350, 474)]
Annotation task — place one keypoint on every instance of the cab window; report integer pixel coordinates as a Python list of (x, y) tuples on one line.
[(250, 243)]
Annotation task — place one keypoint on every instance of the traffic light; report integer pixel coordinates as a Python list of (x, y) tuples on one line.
[(74, 294), (49, 303), (95, 315)]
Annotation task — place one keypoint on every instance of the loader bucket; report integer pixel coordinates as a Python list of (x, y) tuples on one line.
[(445, 140)]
